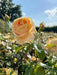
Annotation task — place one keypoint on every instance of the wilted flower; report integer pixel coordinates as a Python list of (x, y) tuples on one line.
[(23, 29), (15, 60), (33, 58)]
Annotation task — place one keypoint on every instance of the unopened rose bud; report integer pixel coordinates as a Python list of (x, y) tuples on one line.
[(6, 17), (41, 27)]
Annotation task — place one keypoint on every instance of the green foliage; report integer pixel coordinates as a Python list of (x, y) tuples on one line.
[(29, 71), (39, 70), (29, 58), (4, 27), (34, 69), (9, 8), (17, 49), (51, 45), (39, 51), (1, 38), (41, 55)]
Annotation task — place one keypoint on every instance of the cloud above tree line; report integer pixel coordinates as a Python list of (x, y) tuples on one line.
[(52, 12)]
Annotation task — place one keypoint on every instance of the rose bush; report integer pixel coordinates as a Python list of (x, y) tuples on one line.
[(30, 58)]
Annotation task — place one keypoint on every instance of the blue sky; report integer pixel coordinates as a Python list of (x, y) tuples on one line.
[(39, 10)]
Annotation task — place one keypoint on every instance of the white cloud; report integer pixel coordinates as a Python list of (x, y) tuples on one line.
[(52, 12), (23, 14), (49, 24)]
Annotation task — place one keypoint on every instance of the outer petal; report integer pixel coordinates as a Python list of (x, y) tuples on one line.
[(27, 39)]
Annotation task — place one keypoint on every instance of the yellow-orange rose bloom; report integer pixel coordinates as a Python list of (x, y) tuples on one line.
[(23, 29), (54, 42)]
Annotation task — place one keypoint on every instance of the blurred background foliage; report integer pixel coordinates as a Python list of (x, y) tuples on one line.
[(4, 27), (49, 29), (9, 8)]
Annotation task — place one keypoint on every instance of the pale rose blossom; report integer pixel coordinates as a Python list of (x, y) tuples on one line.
[(24, 30), (54, 42)]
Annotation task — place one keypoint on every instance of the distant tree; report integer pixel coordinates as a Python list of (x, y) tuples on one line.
[(9, 8)]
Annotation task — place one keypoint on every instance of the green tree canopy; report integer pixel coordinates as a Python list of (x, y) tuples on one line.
[(9, 8)]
